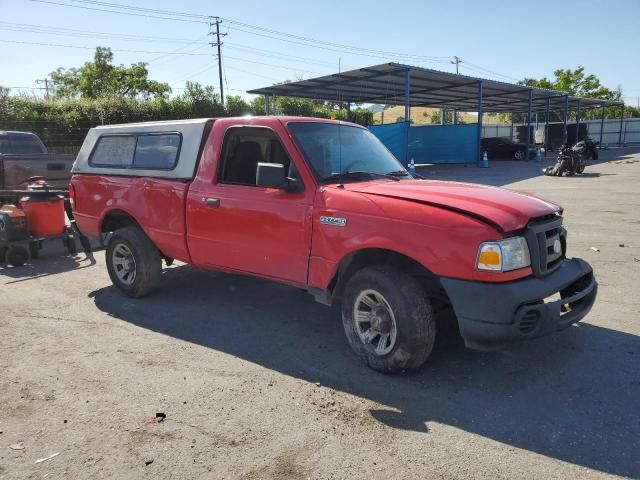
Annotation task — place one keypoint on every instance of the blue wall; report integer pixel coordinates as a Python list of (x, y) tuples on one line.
[(431, 143), (394, 137)]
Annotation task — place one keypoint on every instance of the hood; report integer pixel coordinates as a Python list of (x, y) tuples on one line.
[(508, 210)]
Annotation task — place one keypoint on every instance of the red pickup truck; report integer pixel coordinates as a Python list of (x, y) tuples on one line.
[(323, 205)]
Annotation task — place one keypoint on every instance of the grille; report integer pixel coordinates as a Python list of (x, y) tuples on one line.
[(547, 244), (529, 321)]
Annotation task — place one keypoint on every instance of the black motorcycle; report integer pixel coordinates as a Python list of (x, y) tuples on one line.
[(573, 160)]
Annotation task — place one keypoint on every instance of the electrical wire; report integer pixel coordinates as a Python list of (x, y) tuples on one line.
[(122, 13), (93, 48), (42, 29)]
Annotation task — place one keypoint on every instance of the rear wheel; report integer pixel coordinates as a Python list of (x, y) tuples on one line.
[(388, 319), (518, 155), (580, 163), (34, 249), (17, 255), (133, 262)]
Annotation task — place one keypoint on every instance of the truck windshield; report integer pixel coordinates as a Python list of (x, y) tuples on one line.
[(338, 152)]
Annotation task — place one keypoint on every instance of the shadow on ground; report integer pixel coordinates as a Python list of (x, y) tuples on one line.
[(574, 396), (53, 259), (504, 172)]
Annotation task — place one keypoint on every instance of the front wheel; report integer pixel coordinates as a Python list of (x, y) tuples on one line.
[(388, 319), (580, 164), (518, 155), (133, 261)]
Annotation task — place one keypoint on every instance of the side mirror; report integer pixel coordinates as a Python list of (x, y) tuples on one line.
[(270, 175)]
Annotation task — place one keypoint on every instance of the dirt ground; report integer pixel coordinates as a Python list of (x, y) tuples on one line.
[(257, 381)]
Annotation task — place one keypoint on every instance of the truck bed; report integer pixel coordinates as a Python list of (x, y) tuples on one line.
[(15, 170)]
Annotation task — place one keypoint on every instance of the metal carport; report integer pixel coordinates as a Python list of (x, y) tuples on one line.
[(398, 84)]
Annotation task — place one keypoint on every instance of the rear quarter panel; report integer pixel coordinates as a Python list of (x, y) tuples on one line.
[(156, 204)]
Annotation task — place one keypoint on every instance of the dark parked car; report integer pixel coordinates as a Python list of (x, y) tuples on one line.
[(503, 147)]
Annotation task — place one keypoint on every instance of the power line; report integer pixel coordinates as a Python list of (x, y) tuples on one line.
[(43, 29), (283, 67), (333, 44), (145, 12), (326, 48), (142, 9), (122, 13), (178, 51), (281, 56), (482, 69), (43, 44), (172, 15)]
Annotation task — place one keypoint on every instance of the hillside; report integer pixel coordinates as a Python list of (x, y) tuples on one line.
[(419, 115)]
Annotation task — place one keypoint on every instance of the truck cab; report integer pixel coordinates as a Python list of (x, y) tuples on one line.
[(323, 205)]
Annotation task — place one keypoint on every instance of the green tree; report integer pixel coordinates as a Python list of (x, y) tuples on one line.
[(236, 106), (436, 117), (101, 78), (576, 83)]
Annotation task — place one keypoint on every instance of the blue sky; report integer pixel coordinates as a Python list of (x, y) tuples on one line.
[(504, 40)]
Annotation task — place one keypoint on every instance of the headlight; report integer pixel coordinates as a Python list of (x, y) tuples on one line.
[(504, 255)]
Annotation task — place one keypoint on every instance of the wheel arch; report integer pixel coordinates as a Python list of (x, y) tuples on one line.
[(117, 218), (358, 259)]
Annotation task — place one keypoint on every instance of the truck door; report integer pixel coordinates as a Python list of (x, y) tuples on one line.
[(233, 224)]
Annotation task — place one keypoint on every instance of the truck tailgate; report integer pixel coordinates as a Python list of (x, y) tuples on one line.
[(15, 170)]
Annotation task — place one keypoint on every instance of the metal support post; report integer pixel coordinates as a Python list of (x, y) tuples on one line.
[(546, 130), (479, 133), (511, 131), (526, 153), (621, 124), (602, 124), (407, 112), (578, 123)]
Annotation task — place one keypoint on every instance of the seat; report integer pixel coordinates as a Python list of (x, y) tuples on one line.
[(243, 163), (279, 155)]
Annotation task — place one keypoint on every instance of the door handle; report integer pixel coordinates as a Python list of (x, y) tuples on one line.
[(211, 202)]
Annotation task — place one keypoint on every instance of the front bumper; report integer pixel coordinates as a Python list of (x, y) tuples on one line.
[(491, 315)]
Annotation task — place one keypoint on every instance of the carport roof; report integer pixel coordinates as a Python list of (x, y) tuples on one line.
[(385, 84)]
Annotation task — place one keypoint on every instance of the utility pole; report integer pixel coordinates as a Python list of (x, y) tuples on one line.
[(457, 62), (218, 44), (46, 86)]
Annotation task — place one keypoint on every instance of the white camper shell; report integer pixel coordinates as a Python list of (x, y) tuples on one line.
[(167, 149)]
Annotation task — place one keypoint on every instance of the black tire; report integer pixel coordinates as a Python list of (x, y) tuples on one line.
[(3, 254), (519, 155), (17, 255), (147, 262), (594, 155), (34, 249), (411, 308)]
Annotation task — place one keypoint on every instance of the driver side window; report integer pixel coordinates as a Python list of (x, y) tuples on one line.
[(244, 148)]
